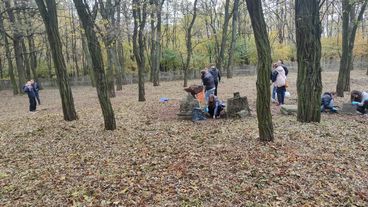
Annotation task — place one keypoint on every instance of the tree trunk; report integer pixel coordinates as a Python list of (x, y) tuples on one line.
[(220, 58), (139, 16), (26, 64), (349, 28), (8, 57), (229, 71), (308, 39), (110, 69), (17, 37), (88, 59), (263, 70), (49, 15), (157, 44), (118, 71), (96, 55), (188, 43)]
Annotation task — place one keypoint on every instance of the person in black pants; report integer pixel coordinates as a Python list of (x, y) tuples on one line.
[(27, 88), (36, 89), (216, 75)]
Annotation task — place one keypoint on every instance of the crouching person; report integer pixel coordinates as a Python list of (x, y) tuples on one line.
[(215, 107), (327, 102), (360, 99)]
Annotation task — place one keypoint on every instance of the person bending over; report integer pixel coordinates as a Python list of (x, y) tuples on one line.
[(360, 99)]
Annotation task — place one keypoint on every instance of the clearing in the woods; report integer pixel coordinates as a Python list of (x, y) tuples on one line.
[(155, 159)]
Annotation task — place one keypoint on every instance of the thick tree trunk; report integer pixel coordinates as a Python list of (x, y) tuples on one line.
[(33, 57), (49, 15), (96, 55), (8, 58), (220, 58), (263, 70), (120, 49), (229, 71), (308, 39)]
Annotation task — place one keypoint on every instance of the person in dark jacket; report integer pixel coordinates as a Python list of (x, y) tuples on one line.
[(28, 88), (216, 76), (208, 82), (327, 102), (215, 107), (36, 89)]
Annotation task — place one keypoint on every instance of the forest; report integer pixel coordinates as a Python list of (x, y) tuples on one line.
[(110, 75)]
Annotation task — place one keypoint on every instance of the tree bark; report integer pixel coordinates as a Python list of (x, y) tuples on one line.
[(308, 39), (229, 72), (139, 15), (188, 43), (49, 15), (17, 38), (263, 70), (349, 28), (96, 55), (220, 58), (8, 58)]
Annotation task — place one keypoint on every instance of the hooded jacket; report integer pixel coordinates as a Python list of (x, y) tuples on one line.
[(281, 77)]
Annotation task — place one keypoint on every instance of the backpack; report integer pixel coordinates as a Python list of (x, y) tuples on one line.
[(274, 76)]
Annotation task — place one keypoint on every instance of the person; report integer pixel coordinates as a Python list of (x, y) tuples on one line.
[(36, 90), (28, 88), (359, 99), (216, 76), (208, 82), (327, 102), (280, 83), (273, 79), (284, 66), (215, 107)]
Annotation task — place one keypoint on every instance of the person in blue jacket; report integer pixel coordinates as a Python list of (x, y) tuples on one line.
[(28, 88), (36, 89), (208, 83), (327, 102), (216, 76)]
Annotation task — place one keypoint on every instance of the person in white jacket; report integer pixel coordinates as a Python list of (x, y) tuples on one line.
[(280, 83), (360, 99)]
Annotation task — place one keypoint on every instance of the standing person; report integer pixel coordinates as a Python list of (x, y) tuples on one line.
[(208, 82), (36, 89), (284, 66), (327, 102), (273, 79), (280, 84), (216, 76), (28, 88), (360, 99)]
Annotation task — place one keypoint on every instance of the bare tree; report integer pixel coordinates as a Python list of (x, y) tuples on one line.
[(87, 19), (49, 15), (263, 70)]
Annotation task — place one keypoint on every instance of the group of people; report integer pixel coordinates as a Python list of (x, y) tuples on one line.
[(278, 77), (211, 77), (357, 98), (32, 89)]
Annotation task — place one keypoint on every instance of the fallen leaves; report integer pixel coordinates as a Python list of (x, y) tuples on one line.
[(156, 159)]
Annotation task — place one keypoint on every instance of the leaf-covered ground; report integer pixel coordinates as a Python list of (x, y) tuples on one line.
[(155, 159)]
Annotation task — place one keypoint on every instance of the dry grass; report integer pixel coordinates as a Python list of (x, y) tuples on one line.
[(155, 159)]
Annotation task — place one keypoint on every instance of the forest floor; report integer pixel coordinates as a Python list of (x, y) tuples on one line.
[(155, 159)]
